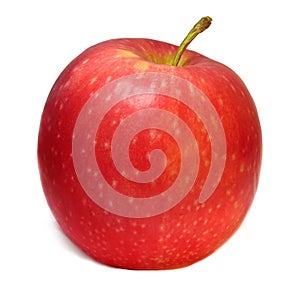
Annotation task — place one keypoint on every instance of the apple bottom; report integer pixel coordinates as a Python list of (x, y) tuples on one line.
[(186, 234)]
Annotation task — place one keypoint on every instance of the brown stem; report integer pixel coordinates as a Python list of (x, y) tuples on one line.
[(199, 27)]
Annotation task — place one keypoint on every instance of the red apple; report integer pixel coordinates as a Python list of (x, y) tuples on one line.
[(149, 160)]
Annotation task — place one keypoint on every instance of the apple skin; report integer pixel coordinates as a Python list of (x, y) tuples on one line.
[(188, 231)]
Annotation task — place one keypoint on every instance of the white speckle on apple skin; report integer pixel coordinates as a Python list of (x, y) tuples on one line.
[(67, 83), (108, 98), (114, 183), (220, 102), (228, 192), (108, 78), (233, 88), (225, 78), (85, 61), (242, 167), (93, 80)]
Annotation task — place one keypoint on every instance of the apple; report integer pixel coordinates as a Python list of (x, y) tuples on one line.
[(149, 153)]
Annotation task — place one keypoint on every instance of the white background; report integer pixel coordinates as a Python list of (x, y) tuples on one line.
[(257, 39)]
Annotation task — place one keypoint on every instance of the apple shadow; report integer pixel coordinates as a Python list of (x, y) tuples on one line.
[(68, 244)]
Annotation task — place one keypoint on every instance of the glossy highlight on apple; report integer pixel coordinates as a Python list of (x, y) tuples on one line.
[(117, 149)]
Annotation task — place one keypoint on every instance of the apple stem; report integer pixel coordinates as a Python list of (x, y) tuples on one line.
[(199, 27)]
